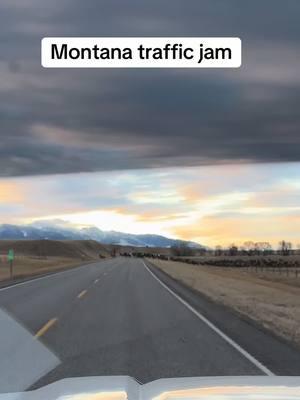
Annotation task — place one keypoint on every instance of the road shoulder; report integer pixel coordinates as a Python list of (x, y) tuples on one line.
[(281, 357)]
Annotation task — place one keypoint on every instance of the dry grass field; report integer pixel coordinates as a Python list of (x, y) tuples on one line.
[(34, 257), (25, 266), (271, 300)]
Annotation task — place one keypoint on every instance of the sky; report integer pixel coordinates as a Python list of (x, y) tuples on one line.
[(205, 155)]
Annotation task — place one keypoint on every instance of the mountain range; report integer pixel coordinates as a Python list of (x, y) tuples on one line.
[(60, 230)]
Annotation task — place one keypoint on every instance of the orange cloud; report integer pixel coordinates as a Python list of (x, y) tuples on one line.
[(10, 192), (191, 194), (218, 229)]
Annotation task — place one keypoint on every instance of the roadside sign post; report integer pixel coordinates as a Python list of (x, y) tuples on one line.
[(10, 258)]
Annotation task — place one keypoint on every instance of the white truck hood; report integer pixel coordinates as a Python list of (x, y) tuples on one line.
[(122, 388)]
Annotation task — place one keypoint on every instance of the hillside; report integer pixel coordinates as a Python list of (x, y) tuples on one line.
[(77, 249)]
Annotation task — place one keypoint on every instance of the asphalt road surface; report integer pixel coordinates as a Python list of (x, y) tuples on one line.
[(117, 317)]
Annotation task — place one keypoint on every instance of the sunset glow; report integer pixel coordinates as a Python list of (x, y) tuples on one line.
[(251, 202)]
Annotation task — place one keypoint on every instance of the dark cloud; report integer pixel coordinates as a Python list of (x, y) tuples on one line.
[(56, 121)]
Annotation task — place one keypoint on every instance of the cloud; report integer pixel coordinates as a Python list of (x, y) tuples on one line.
[(225, 230), (209, 204), (64, 121), (10, 193)]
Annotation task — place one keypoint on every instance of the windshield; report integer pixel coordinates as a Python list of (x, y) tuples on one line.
[(149, 197)]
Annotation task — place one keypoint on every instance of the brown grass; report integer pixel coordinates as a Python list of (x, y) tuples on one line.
[(273, 303), (34, 257), (26, 266), (55, 248)]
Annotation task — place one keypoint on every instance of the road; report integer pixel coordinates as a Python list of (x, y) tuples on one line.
[(115, 317)]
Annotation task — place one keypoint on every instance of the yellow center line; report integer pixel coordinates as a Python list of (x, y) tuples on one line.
[(47, 326), (81, 294)]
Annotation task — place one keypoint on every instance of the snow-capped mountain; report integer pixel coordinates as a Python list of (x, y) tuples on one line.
[(60, 230)]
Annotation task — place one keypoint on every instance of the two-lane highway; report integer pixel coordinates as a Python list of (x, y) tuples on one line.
[(115, 318)]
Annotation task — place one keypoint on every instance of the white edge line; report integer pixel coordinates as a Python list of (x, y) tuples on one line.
[(51, 274), (254, 361)]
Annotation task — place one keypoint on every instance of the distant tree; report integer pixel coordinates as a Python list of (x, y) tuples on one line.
[(242, 250), (202, 252), (263, 248), (285, 247), (257, 248), (267, 248), (249, 247), (233, 250), (182, 249), (218, 250)]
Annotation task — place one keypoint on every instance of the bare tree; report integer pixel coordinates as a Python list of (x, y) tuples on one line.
[(233, 250), (263, 248), (285, 247), (182, 249), (218, 250), (249, 247)]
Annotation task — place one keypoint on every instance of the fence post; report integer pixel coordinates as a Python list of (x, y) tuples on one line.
[(11, 269)]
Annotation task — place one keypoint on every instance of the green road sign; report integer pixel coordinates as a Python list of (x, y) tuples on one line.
[(10, 255)]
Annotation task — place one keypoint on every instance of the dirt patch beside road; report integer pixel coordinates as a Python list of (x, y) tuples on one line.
[(273, 304)]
